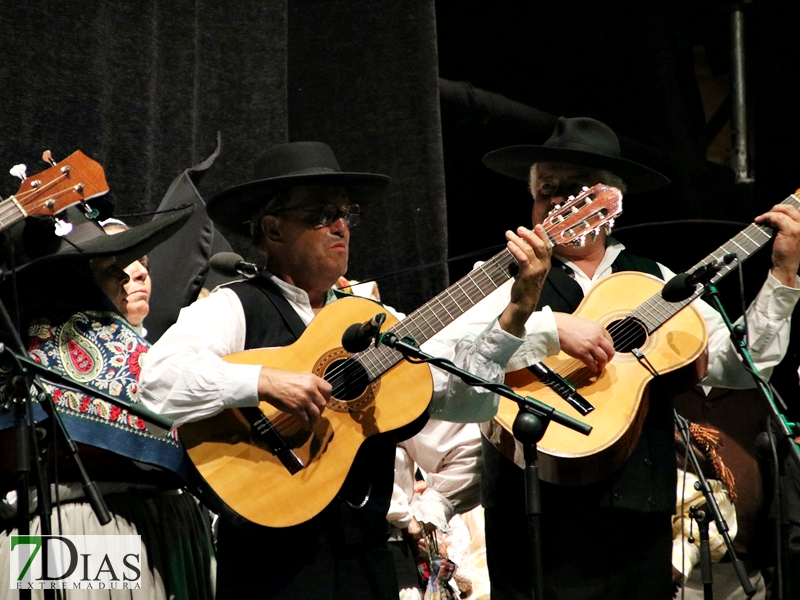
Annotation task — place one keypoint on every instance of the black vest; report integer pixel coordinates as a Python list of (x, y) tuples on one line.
[(272, 322), (646, 482)]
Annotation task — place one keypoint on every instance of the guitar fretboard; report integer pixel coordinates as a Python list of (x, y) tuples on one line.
[(575, 219), (656, 311), (10, 213), (438, 313)]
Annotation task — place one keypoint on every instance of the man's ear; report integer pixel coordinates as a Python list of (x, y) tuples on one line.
[(271, 228)]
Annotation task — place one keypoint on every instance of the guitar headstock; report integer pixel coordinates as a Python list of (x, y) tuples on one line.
[(582, 217), (75, 179)]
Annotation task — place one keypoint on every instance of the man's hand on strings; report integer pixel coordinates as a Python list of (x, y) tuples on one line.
[(302, 395), (585, 340)]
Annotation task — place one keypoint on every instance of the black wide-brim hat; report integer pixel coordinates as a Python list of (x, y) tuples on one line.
[(280, 167), (41, 247), (579, 141)]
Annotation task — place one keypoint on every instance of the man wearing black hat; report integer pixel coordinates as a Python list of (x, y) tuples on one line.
[(299, 212), (611, 539)]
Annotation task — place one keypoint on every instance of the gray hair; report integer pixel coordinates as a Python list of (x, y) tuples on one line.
[(606, 177)]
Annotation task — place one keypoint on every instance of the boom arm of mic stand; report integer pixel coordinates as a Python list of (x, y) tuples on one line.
[(540, 409), (785, 432)]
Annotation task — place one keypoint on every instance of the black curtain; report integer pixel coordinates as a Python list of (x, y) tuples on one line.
[(363, 78), (144, 87)]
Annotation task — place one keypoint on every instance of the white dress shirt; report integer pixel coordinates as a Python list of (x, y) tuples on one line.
[(449, 456)]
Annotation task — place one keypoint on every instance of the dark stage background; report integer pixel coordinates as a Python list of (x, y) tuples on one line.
[(144, 88)]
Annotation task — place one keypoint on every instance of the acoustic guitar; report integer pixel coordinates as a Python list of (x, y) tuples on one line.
[(654, 340), (263, 466), (75, 179)]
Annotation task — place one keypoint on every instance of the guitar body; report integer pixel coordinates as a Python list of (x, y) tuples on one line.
[(620, 394), (250, 479)]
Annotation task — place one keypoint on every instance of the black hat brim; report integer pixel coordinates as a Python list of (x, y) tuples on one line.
[(516, 162), (234, 207), (128, 245)]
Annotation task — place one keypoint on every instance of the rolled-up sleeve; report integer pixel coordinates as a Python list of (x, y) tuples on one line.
[(485, 356), (476, 343)]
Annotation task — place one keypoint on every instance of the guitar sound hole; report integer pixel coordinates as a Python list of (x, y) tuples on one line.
[(348, 378), (627, 334)]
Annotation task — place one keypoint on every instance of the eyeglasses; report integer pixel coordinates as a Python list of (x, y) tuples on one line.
[(330, 213)]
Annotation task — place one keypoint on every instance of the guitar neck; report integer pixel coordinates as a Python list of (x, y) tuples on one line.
[(10, 213), (579, 217), (438, 313), (443, 309), (657, 311)]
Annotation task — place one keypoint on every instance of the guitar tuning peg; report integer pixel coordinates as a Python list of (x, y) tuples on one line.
[(20, 171), (91, 213), (609, 225), (570, 198), (580, 241), (47, 157), (585, 188), (62, 227)]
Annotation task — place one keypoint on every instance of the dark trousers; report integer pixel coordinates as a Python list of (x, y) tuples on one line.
[(265, 564), (593, 554)]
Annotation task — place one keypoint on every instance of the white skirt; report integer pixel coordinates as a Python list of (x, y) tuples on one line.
[(178, 559)]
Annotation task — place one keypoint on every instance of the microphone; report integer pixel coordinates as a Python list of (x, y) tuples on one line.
[(359, 336), (231, 264), (683, 285)]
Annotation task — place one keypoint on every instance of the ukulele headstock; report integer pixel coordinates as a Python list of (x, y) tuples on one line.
[(75, 179)]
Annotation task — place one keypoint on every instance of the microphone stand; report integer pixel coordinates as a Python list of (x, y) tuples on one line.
[(702, 519), (783, 429), (25, 437), (529, 427)]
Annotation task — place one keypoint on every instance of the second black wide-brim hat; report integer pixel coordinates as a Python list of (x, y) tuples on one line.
[(295, 163), (41, 247), (580, 141)]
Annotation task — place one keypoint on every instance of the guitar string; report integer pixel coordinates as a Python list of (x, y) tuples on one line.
[(351, 368), (655, 300), (494, 268), (627, 330), (494, 271), (9, 208), (447, 300), (748, 246)]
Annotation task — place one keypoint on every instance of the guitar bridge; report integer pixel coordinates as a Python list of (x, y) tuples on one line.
[(272, 439), (644, 362), (562, 387)]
